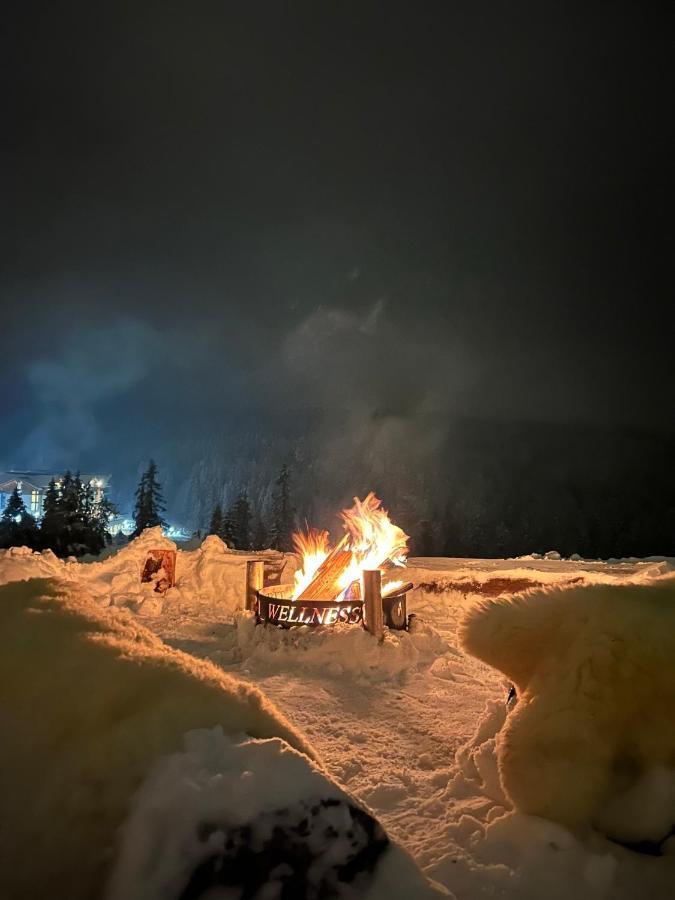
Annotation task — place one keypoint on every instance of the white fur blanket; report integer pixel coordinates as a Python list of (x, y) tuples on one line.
[(595, 673)]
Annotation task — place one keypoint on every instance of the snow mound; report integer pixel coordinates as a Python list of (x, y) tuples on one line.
[(215, 577), (247, 817), (336, 650), (596, 711), (22, 563), (511, 855), (89, 699), (209, 577), (96, 708)]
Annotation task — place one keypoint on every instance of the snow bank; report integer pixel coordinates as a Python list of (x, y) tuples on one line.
[(208, 577), (21, 563), (596, 710), (213, 576), (336, 651), (88, 699), (494, 576), (94, 710)]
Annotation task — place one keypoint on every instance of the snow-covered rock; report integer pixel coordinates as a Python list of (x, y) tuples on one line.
[(552, 554)]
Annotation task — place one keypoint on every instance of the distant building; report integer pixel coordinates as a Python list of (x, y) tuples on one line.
[(33, 487), (121, 525)]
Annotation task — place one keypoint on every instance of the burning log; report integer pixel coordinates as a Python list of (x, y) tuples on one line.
[(326, 582), (371, 541)]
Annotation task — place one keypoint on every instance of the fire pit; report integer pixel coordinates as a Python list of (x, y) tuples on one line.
[(276, 606), (342, 584)]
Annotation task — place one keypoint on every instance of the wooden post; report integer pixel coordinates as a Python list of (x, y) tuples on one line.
[(255, 570), (372, 602)]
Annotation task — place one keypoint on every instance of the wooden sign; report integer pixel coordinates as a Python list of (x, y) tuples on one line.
[(160, 561), (278, 611)]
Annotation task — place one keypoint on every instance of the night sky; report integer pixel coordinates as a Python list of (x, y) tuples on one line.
[(216, 213)]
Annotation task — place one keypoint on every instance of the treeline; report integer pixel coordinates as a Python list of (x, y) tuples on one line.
[(74, 522), (244, 528), (602, 493)]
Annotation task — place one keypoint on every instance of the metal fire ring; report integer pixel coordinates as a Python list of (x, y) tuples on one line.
[(275, 607)]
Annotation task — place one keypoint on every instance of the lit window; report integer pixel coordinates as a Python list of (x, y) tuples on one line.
[(35, 502)]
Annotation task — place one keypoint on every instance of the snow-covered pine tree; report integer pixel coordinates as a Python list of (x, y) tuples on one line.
[(227, 531), (97, 516), (51, 525), (71, 537), (69, 504), (17, 526), (79, 520), (15, 509), (149, 501), (241, 522), (283, 514), (216, 525), (260, 536)]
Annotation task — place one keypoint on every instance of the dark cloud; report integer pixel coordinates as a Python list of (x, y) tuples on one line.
[(385, 213)]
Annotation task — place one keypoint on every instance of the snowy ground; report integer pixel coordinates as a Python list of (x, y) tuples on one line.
[(407, 726)]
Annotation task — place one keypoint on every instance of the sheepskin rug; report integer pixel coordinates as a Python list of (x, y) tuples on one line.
[(132, 771), (594, 669)]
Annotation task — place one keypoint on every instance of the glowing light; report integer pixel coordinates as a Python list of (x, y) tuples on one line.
[(391, 587), (176, 533)]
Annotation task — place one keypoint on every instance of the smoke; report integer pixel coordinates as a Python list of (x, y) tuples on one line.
[(376, 360), (387, 390)]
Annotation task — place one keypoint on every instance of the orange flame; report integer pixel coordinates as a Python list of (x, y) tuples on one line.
[(373, 540), (312, 546), (390, 587)]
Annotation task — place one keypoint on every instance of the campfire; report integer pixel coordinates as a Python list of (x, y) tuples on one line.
[(334, 584)]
